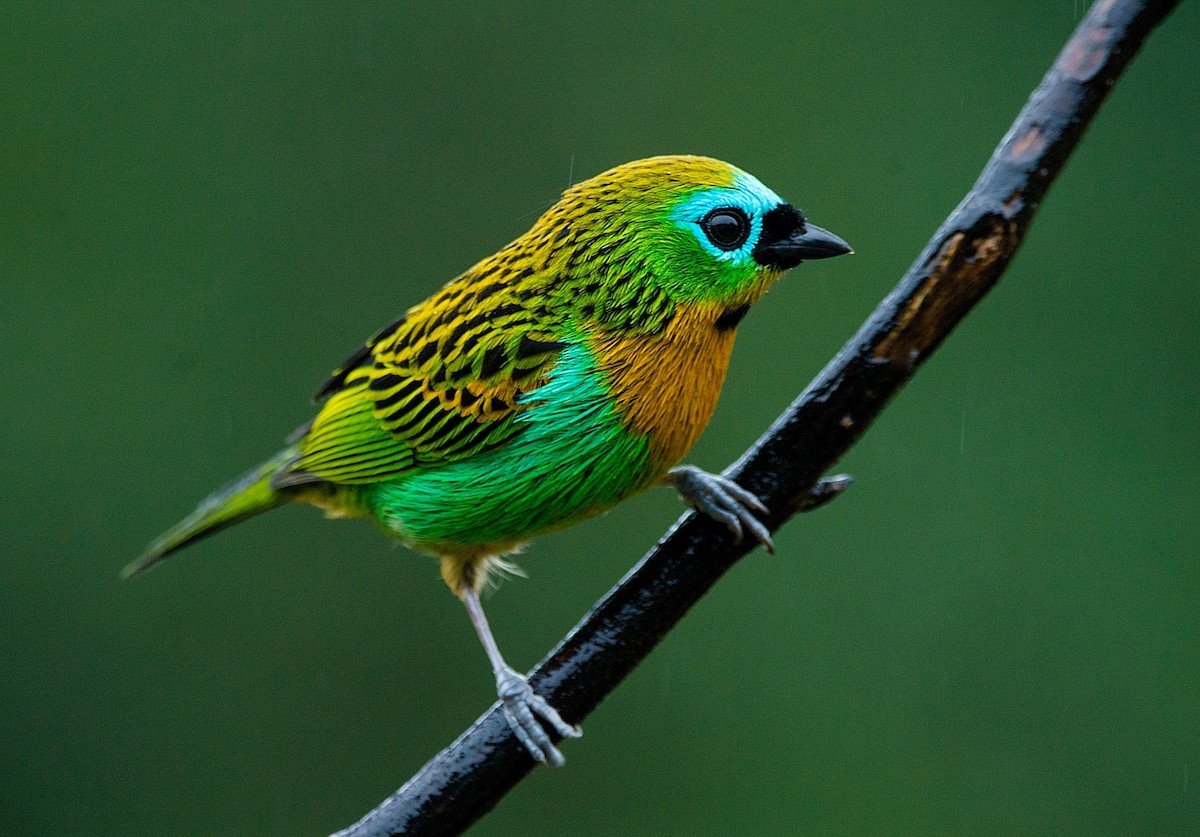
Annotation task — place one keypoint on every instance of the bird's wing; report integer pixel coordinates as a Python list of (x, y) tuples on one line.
[(439, 385)]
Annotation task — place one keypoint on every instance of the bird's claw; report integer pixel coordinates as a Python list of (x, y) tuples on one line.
[(522, 708), (723, 500)]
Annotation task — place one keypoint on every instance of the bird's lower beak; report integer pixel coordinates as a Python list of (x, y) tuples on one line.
[(812, 243), (804, 241), (816, 243)]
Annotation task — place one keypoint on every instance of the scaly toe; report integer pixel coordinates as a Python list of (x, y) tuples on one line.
[(723, 500), (522, 708)]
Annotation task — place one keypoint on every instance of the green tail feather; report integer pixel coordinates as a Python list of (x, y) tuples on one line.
[(244, 498)]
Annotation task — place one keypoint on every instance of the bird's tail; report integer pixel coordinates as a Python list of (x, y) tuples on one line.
[(244, 498)]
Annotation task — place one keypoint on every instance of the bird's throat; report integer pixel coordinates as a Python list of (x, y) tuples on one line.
[(666, 386), (730, 317)]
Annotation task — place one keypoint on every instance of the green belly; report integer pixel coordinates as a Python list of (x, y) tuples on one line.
[(572, 459)]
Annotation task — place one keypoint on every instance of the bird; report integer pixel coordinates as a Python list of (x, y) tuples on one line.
[(569, 370)]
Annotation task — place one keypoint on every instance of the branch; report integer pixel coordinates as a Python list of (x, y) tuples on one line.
[(959, 265)]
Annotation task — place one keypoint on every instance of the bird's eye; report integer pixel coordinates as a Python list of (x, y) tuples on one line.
[(727, 227)]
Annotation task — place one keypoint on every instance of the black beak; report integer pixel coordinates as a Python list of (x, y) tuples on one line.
[(787, 239)]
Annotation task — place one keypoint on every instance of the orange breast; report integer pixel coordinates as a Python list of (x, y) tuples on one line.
[(666, 385)]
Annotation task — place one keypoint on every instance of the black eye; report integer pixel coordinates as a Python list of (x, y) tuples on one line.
[(727, 227)]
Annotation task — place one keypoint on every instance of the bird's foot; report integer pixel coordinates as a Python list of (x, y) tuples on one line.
[(522, 707), (723, 500)]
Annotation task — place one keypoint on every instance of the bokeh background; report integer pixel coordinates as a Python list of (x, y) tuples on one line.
[(205, 207)]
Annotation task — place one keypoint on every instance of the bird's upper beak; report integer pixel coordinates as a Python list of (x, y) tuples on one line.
[(787, 239)]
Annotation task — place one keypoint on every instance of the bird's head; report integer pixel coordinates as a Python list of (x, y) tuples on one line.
[(697, 228)]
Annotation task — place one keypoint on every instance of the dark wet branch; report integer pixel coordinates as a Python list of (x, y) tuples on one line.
[(961, 263)]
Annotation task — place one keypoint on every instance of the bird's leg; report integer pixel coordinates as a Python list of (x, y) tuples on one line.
[(522, 706), (721, 499)]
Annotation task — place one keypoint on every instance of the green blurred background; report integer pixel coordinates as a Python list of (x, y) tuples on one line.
[(205, 207)]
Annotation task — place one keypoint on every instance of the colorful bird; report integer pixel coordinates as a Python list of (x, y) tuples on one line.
[(569, 370)]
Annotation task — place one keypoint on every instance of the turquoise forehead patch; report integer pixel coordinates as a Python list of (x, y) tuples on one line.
[(748, 194)]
